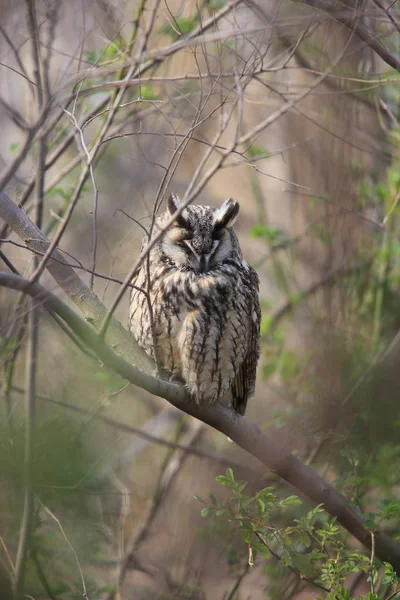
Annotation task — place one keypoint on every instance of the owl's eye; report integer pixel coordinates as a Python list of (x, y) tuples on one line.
[(181, 222), (186, 236), (218, 233)]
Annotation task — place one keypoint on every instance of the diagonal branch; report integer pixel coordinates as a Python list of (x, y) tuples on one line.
[(245, 434), (350, 19), (81, 295), (132, 364)]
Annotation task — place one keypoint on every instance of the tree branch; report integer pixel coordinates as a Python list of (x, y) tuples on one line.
[(81, 295), (350, 19), (244, 433)]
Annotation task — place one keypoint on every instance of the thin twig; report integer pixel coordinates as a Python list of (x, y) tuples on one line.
[(10, 562), (329, 278), (224, 460), (353, 24), (78, 564), (95, 191), (169, 471), (371, 564), (235, 588), (30, 409), (225, 419), (42, 575)]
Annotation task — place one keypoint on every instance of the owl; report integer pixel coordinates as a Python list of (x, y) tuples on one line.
[(200, 317)]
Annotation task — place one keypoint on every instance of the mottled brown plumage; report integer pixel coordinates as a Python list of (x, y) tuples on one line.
[(204, 299)]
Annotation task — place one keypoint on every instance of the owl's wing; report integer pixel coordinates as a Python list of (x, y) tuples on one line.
[(245, 381)]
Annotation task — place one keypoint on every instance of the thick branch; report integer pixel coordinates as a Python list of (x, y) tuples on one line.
[(80, 294), (247, 435)]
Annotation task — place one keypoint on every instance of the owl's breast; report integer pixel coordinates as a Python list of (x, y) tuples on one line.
[(201, 330)]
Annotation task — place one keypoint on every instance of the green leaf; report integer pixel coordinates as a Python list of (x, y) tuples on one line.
[(112, 50), (322, 233), (303, 564), (393, 176), (269, 369), (246, 532), (256, 150), (180, 26), (340, 593), (229, 474), (288, 365), (301, 537), (147, 92), (273, 235), (215, 5), (391, 510), (381, 192), (14, 148), (60, 191), (228, 480), (261, 549), (91, 55), (390, 574), (200, 499), (261, 504), (291, 501)]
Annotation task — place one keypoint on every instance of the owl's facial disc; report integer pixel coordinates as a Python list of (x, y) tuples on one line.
[(200, 238), (202, 260)]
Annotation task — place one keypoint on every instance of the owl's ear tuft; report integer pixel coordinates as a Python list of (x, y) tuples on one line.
[(226, 214), (173, 205)]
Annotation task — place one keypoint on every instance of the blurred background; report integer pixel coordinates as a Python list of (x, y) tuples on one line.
[(292, 109)]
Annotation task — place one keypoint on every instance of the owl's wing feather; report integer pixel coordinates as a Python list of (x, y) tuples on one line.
[(239, 389), (245, 381)]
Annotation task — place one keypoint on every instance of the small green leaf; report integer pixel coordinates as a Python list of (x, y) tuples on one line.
[(246, 535), (291, 501), (180, 26), (199, 499), (261, 504), (229, 474), (261, 549), (14, 148), (273, 235), (303, 564), (256, 150), (269, 369), (213, 500), (112, 50), (147, 92)]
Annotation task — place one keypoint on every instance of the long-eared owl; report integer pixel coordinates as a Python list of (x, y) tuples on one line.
[(204, 302)]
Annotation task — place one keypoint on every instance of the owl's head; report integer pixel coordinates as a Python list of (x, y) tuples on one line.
[(201, 237)]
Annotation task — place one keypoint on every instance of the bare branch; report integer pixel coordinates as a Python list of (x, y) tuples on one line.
[(352, 23), (30, 409), (87, 302), (225, 419), (78, 564), (140, 432)]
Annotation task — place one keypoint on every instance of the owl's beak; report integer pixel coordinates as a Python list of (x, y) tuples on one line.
[(203, 262)]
